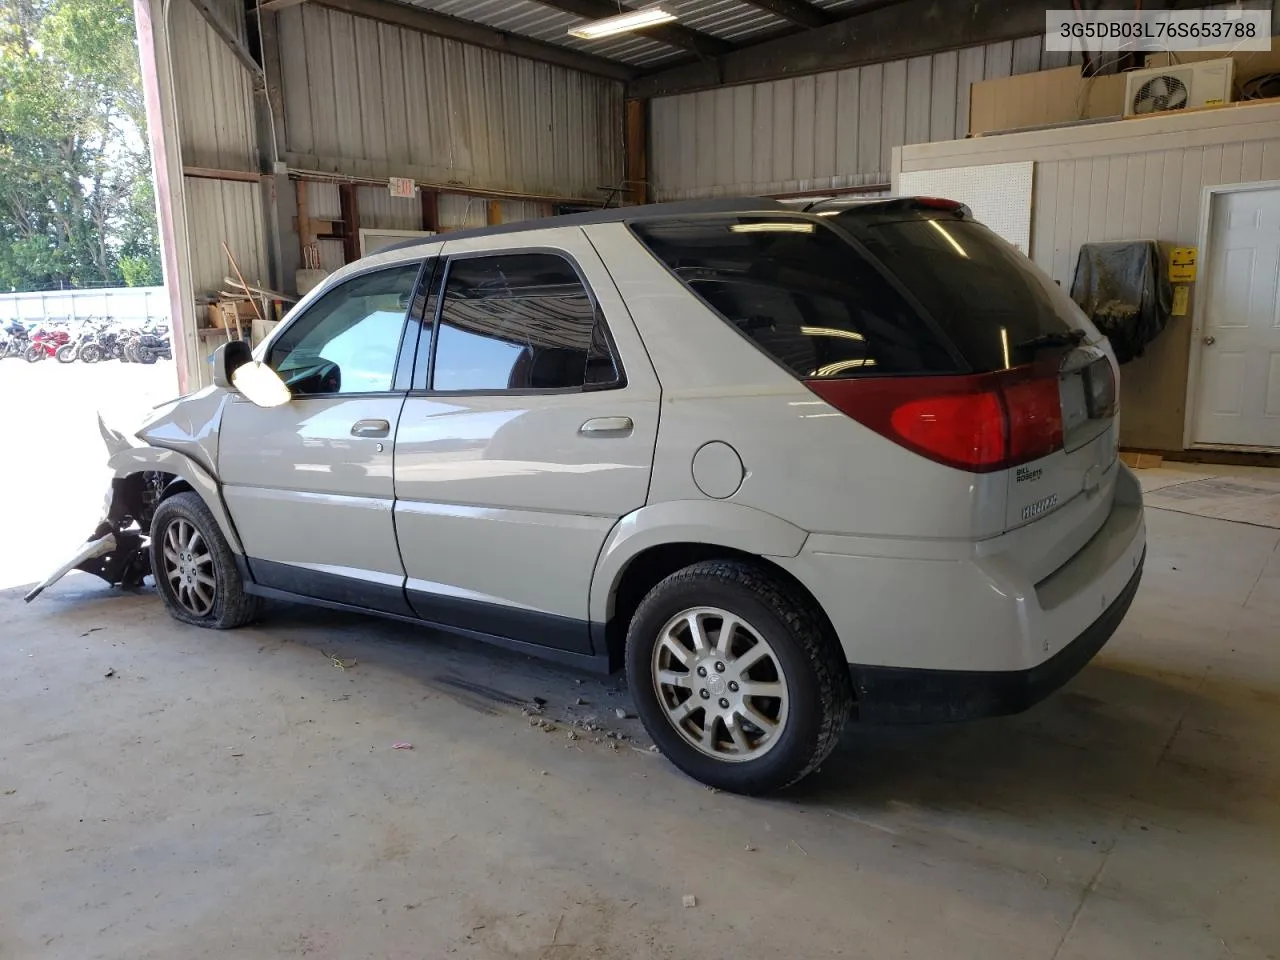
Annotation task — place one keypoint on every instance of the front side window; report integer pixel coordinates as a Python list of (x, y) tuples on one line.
[(347, 341), (801, 293), (519, 321)]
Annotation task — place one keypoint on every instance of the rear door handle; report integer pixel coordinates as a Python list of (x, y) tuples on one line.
[(606, 425), (371, 428)]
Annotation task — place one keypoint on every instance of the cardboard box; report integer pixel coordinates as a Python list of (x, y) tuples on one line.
[(1043, 98)]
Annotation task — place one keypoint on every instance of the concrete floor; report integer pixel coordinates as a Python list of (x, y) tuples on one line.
[(170, 792)]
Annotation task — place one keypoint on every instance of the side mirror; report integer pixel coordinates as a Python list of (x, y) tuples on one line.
[(226, 359), (235, 369)]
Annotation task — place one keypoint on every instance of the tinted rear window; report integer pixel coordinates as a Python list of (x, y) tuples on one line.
[(985, 295), (802, 293)]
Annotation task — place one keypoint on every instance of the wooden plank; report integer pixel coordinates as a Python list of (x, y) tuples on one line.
[(349, 200), (637, 147), (430, 209), (210, 173), (493, 213)]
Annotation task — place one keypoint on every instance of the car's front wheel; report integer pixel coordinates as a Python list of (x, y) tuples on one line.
[(737, 677), (194, 569)]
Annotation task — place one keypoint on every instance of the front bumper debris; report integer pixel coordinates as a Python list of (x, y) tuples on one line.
[(117, 551)]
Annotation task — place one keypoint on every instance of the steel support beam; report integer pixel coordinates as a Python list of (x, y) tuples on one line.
[(672, 34), (454, 28), (876, 32), (799, 12), (227, 34)]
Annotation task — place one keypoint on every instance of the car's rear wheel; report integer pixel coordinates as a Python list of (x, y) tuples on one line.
[(737, 677), (194, 570)]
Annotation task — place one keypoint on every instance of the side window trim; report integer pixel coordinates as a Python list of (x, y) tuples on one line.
[(411, 346), (424, 385), (396, 388)]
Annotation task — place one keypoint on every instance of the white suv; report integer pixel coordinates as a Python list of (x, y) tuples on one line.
[(785, 466)]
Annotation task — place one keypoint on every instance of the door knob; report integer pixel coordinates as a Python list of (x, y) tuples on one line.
[(1210, 341), (371, 428), (607, 425)]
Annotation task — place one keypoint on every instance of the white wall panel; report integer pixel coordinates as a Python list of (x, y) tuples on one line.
[(828, 130), (374, 100)]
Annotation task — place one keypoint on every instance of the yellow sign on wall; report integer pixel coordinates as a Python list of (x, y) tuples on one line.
[(1182, 265), (1181, 300)]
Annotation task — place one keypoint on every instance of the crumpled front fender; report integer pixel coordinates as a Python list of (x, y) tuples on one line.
[(132, 460)]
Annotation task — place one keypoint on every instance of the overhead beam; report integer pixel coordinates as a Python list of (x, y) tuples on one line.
[(672, 34), (454, 28), (228, 36), (876, 32), (799, 12)]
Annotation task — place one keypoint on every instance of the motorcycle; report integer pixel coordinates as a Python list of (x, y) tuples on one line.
[(45, 343), (15, 340), (150, 347)]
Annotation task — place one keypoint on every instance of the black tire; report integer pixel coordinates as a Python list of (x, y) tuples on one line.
[(146, 355), (90, 353), (231, 606), (809, 657), (33, 354), (66, 353)]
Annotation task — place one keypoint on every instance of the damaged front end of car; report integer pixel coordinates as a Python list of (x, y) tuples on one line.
[(117, 551)]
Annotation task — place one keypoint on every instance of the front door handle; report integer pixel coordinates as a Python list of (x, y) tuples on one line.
[(606, 425), (371, 428)]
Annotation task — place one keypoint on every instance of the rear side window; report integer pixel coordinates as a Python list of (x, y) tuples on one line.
[(802, 293), (520, 321), (988, 298)]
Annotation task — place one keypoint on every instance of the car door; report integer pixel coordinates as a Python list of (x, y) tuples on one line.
[(308, 484), (529, 433)]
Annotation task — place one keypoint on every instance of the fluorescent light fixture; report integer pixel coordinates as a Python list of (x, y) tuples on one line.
[(773, 226), (1004, 345), (948, 237), (831, 332), (623, 23)]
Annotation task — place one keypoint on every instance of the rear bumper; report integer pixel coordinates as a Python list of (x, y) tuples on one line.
[(897, 695), (916, 616)]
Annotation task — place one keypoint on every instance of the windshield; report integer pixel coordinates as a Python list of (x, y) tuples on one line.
[(994, 305)]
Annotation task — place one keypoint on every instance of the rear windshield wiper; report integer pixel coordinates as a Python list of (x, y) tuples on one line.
[(1071, 338)]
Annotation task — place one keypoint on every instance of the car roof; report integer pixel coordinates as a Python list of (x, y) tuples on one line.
[(610, 215)]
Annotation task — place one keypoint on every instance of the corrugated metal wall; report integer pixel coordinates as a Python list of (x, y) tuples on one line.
[(214, 92), (825, 131), (373, 100), (216, 129), (231, 211)]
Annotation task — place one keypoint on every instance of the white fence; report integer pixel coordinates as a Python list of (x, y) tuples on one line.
[(130, 305)]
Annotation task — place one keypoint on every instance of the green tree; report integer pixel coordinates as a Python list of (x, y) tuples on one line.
[(76, 206)]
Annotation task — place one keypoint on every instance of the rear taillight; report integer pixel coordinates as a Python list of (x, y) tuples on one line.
[(978, 423)]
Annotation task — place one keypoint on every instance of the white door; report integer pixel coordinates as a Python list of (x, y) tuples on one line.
[(533, 437), (309, 483), (1239, 387)]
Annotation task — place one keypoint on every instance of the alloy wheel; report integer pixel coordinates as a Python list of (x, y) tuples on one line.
[(720, 684), (188, 566)]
